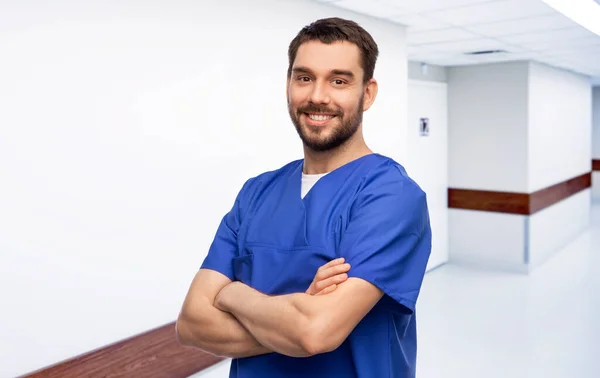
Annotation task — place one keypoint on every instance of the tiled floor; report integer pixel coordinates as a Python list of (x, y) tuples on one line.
[(477, 324)]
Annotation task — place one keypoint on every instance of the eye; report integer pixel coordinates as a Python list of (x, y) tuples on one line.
[(304, 78), (339, 82)]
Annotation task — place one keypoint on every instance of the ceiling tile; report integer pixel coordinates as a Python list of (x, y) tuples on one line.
[(439, 35), (564, 34), (419, 6), (375, 8), (559, 43), (465, 46), (441, 31), (522, 25), (443, 60), (501, 10), (585, 59), (567, 51), (416, 22)]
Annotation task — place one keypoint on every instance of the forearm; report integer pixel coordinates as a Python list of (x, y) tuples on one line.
[(217, 332), (275, 322)]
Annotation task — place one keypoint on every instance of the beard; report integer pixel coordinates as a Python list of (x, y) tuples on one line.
[(326, 138)]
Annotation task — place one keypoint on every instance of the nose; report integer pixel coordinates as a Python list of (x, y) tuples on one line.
[(319, 93)]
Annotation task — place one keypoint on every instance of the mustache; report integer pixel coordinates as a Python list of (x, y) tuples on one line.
[(313, 108)]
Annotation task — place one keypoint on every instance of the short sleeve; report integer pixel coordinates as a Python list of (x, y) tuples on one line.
[(387, 240), (225, 244)]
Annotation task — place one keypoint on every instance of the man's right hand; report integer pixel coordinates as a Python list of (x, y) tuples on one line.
[(328, 277)]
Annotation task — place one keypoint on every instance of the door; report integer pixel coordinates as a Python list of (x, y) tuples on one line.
[(427, 158)]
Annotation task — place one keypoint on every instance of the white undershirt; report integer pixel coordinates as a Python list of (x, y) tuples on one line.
[(308, 181)]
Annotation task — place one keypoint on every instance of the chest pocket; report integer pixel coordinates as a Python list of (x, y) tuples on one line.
[(276, 271)]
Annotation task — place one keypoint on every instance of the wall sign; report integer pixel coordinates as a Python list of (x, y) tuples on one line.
[(424, 126)]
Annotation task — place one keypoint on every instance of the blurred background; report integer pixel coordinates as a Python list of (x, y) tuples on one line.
[(128, 127)]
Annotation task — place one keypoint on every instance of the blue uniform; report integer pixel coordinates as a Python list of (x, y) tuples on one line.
[(369, 212)]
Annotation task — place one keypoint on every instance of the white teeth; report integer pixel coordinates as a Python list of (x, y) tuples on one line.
[(320, 117)]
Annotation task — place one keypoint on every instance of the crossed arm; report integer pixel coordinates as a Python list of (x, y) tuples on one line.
[(300, 324), (239, 321)]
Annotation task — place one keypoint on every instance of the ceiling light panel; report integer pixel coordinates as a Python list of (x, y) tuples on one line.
[(583, 12)]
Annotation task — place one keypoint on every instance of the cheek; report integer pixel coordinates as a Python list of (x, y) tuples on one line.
[(349, 107), (347, 99), (295, 94)]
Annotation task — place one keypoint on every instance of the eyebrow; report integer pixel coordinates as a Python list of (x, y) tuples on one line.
[(334, 72)]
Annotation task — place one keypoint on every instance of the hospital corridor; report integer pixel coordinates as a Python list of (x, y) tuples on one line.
[(476, 323), (180, 180)]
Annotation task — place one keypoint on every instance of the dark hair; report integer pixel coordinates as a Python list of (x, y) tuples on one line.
[(330, 30)]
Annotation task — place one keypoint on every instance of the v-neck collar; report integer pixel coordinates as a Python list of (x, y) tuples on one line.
[(298, 172), (293, 193)]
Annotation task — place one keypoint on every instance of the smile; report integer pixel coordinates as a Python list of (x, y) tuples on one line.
[(320, 117)]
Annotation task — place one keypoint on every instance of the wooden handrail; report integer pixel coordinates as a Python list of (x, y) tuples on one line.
[(152, 354), (517, 203)]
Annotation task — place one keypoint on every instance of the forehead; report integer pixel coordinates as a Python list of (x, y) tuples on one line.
[(322, 58)]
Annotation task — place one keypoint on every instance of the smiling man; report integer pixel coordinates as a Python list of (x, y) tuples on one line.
[(249, 299)]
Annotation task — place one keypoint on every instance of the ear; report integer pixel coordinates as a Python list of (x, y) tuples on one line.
[(371, 90)]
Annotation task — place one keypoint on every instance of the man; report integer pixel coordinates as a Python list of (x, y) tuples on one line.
[(249, 300)]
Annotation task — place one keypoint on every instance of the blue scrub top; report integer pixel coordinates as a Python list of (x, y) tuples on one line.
[(368, 211)]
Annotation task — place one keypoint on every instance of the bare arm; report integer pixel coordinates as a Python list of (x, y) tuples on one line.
[(300, 325), (202, 325)]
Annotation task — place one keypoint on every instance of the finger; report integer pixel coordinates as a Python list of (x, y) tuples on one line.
[(332, 271), (333, 263), (337, 279), (327, 290)]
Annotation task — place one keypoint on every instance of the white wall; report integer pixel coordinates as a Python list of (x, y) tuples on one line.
[(596, 186), (430, 73), (560, 125), (517, 127), (596, 122), (596, 141), (487, 151), (552, 228), (127, 129), (488, 240), (427, 160), (488, 127), (559, 148)]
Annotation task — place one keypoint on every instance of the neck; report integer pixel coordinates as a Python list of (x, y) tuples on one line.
[(322, 162)]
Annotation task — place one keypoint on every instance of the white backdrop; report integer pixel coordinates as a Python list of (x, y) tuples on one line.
[(126, 129)]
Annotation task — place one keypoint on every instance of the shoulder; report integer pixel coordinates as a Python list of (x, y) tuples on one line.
[(266, 177), (260, 182), (388, 194), (389, 177)]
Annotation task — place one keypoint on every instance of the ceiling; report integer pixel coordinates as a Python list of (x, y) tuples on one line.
[(445, 32)]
